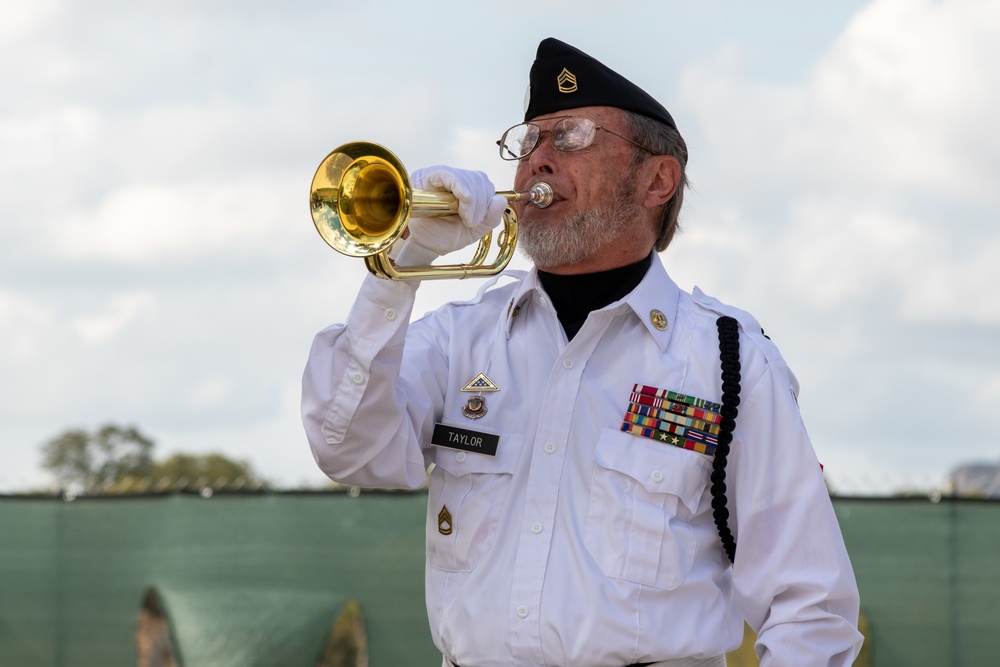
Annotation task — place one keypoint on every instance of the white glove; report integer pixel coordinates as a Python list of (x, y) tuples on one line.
[(480, 209)]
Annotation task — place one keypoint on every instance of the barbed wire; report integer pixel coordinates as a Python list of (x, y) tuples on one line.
[(135, 486), (873, 484), (911, 485), (859, 484)]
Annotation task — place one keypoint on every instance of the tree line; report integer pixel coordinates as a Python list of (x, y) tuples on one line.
[(115, 458)]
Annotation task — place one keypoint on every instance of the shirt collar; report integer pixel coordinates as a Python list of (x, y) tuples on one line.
[(654, 301), (655, 296), (523, 292)]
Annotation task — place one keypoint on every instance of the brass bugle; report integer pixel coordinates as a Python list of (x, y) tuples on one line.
[(361, 202)]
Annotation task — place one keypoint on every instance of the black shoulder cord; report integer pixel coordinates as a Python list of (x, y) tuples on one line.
[(729, 354)]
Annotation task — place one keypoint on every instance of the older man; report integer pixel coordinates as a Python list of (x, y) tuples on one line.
[(604, 490)]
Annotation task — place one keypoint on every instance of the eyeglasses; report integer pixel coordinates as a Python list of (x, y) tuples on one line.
[(570, 133)]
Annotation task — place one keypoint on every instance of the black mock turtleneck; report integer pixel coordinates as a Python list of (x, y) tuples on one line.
[(575, 296)]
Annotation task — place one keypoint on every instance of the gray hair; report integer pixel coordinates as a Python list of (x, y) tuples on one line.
[(662, 140)]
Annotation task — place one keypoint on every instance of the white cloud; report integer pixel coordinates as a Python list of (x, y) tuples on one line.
[(156, 224), (876, 174), (906, 87), (840, 255), (22, 321), (119, 313), (899, 100), (956, 284), (988, 396), (44, 136), (20, 18), (211, 392)]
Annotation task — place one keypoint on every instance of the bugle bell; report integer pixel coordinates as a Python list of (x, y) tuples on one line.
[(361, 201)]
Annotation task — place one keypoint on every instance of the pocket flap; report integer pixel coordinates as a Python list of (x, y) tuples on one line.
[(658, 468)]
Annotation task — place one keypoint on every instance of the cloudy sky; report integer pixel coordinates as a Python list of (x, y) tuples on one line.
[(158, 265)]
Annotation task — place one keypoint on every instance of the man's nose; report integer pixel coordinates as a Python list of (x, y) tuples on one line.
[(543, 159)]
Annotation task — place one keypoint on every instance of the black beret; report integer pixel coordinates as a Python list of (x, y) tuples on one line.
[(564, 77)]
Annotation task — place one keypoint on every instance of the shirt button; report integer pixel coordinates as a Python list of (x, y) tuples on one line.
[(390, 314), (657, 476), (522, 611), (550, 447), (567, 363), (460, 457), (536, 527), (358, 378)]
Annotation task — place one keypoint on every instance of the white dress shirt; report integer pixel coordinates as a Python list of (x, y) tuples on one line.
[(577, 544)]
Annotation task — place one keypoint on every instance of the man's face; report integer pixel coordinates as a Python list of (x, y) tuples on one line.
[(595, 200)]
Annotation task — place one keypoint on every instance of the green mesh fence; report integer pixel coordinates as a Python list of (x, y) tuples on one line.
[(254, 576), (258, 580), (929, 575)]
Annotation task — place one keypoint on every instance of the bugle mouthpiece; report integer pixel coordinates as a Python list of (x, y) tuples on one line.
[(540, 194)]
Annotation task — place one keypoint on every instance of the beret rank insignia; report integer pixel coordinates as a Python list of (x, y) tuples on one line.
[(566, 81)]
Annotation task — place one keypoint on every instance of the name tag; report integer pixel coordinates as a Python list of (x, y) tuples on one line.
[(453, 437)]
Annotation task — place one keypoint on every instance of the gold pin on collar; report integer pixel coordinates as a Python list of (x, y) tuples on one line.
[(658, 319)]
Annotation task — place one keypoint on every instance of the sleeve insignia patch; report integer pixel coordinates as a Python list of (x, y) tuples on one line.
[(444, 521)]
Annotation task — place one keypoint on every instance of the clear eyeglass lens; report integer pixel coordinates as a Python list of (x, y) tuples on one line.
[(569, 134), (573, 134), (518, 141)]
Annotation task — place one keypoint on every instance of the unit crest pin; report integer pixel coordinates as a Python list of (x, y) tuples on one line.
[(475, 407)]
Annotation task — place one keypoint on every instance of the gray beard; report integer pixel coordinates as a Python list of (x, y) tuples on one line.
[(581, 234)]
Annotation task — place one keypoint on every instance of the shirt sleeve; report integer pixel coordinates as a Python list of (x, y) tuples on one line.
[(364, 423), (792, 576)]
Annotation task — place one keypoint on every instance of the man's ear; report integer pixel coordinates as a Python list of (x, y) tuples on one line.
[(663, 176)]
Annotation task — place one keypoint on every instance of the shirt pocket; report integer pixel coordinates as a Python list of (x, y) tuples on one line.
[(642, 500), (466, 494)]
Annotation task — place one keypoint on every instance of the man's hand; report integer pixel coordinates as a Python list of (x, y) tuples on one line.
[(480, 209)]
